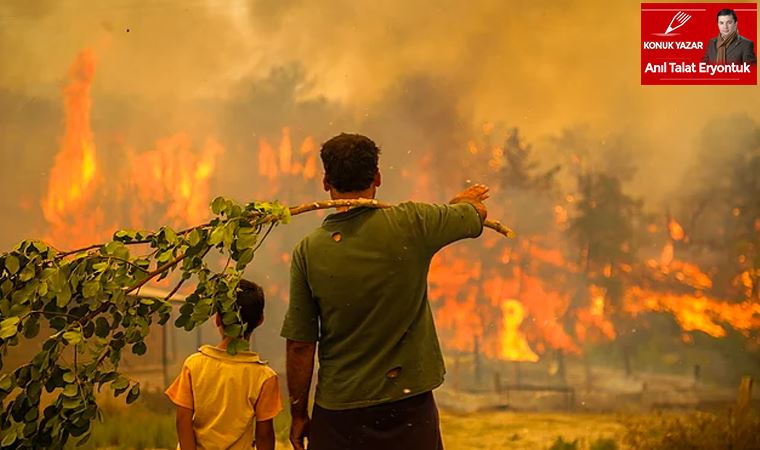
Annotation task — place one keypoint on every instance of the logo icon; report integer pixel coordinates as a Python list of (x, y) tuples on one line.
[(679, 19)]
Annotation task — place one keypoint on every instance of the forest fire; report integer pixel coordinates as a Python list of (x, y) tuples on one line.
[(168, 185), (512, 300), (73, 180)]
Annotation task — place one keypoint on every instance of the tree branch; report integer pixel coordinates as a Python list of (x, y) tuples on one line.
[(371, 203)]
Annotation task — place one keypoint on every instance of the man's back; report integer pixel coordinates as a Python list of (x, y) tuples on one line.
[(359, 286)]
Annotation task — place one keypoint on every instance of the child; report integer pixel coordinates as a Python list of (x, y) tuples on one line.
[(218, 396)]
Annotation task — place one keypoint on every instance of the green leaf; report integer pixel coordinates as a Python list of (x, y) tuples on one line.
[(73, 337), (236, 346), (170, 235), (31, 415), (27, 273), (11, 321), (193, 238), (58, 323), (165, 256), (31, 327), (244, 258), (42, 290), (8, 439), (120, 383), (6, 382), (69, 377), (229, 234), (217, 235), (139, 348), (25, 294), (233, 330), (134, 393), (6, 287), (117, 249), (125, 235), (71, 390), (218, 205), (85, 438), (101, 327), (9, 327), (63, 297), (12, 264), (247, 237), (181, 320), (229, 318), (90, 288)]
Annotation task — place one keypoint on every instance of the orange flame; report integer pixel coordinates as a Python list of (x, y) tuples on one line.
[(171, 179), (175, 177), (593, 317), (514, 345), (676, 230), (73, 179), (276, 166), (696, 312)]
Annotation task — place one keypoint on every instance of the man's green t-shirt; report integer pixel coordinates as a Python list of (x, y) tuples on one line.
[(358, 286)]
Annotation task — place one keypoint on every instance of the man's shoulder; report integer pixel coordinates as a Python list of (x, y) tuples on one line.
[(744, 41)]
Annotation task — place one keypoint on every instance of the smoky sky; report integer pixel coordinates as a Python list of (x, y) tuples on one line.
[(416, 75)]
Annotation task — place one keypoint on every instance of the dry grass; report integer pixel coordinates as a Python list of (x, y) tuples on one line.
[(523, 431)]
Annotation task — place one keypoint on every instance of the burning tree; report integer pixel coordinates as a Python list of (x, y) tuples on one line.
[(603, 229)]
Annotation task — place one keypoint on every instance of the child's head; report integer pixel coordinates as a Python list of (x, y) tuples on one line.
[(250, 304)]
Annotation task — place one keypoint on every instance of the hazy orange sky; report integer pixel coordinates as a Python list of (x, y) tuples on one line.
[(541, 66)]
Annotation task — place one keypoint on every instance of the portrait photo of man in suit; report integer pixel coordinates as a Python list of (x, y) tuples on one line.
[(729, 47)]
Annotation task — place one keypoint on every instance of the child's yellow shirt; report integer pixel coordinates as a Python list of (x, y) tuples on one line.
[(226, 393)]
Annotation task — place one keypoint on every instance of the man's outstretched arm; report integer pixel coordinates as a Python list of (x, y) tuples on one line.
[(474, 195), (299, 363)]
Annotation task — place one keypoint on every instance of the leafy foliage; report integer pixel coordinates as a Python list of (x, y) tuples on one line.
[(90, 300)]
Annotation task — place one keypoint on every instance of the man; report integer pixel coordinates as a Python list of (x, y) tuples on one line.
[(359, 288), (728, 47)]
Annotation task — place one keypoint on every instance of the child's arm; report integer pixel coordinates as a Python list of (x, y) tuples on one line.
[(185, 432), (264, 435)]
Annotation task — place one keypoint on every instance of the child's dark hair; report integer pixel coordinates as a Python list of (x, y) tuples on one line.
[(250, 301)]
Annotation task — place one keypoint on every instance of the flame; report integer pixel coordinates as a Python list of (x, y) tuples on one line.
[(166, 184), (283, 167), (696, 312), (514, 346), (593, 318), (676, 230), (176, 178), (73, 178)]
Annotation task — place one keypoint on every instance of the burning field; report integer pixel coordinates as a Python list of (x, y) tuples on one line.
[(634, 279)]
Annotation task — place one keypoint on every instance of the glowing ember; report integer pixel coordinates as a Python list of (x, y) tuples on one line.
[(675, 230)]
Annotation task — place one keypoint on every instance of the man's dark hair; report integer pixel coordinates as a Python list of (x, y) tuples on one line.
[(350, 162), (250, 303), (726, 12)]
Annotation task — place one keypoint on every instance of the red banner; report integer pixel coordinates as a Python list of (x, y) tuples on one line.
[(688, 43)]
